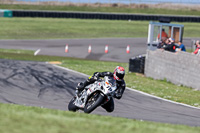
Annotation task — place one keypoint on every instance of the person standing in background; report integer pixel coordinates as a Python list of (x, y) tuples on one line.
[(181, 46), (197, 51), (164, 36)]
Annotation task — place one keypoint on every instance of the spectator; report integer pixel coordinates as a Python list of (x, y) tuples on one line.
[(197, 42), (163, 35), (163, 44), (166, 42), (171, 46), (160, 45), (181, 46), (197, 51)]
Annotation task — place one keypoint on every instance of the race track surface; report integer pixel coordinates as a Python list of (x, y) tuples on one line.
[(79, 47), (44, 85)]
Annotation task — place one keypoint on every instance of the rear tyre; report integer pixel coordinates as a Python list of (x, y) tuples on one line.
[(93, 102), (109, 106), (72, 106)]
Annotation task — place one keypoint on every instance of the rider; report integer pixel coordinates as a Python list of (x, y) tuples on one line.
[(118, 75)]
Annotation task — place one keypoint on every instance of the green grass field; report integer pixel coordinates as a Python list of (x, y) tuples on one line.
[(173, 11), (48, 28), (22, 119), (52, 28)]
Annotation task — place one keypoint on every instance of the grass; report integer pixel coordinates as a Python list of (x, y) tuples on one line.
[(16, 51), (22, 119), (159, 88), (48, 28), (143, 10)]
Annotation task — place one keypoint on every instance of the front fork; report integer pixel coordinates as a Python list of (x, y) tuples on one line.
[(81, 99), (106, 99)]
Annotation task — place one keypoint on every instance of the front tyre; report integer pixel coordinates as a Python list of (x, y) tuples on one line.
[(72, 106), (93, 102)]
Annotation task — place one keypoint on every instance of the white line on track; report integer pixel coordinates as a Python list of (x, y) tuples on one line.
[(146, 94), (36, 52)]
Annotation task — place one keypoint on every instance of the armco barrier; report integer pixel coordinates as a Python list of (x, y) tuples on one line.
[(180, 68), (109, 16)]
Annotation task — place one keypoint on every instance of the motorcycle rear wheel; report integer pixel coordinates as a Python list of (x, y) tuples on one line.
[(71, 106), (93, 102)]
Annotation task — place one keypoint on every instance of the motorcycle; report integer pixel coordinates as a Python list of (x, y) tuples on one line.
[(94, 95)]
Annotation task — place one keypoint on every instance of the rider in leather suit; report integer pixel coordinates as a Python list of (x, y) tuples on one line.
[(118, 75)]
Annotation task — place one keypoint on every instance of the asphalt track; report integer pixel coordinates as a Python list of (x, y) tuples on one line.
[(44, 85), (79, 47)]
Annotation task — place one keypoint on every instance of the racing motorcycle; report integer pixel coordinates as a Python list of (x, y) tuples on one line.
[(94, 95)]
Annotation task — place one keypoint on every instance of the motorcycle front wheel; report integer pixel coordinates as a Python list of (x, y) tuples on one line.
[(72, 106), (93, 102)]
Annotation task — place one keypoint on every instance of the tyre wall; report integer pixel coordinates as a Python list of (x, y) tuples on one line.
[(109, 16)]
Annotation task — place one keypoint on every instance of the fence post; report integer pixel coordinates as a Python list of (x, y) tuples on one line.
[(193, 47)]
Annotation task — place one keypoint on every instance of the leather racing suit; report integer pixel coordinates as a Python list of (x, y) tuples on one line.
[(109, 106)]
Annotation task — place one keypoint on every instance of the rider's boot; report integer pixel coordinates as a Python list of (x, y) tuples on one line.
[(80, 87)]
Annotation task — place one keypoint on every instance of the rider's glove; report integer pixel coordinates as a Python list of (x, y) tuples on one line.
[(96, 76), (80, 86)]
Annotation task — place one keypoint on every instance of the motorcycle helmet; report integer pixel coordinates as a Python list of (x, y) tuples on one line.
[(119, 73)]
